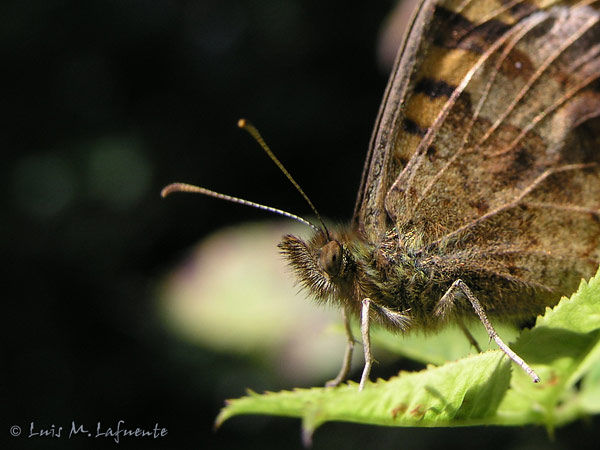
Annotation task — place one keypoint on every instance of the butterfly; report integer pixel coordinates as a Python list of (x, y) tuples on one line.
[(480, 195)]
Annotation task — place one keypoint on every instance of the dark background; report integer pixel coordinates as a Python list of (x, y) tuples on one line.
[(107, 101)]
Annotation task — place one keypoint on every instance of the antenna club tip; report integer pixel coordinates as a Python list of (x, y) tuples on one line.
[(169, 189), (242, 123)]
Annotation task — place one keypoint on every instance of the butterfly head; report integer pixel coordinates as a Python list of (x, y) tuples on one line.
[(323, 265)]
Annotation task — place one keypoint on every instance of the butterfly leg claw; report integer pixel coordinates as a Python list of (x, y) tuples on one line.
[(341, 376), (445, 304)]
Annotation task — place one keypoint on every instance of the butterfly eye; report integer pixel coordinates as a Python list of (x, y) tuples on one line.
[(330, 258)]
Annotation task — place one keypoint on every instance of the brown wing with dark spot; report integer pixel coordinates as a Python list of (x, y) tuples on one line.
[(488, 144)]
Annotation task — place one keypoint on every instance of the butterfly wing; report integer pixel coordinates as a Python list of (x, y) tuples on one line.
[(381, 168), (488, 144)]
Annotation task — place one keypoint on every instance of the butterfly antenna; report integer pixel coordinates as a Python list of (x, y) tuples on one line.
[(251, 129), (184, 187)]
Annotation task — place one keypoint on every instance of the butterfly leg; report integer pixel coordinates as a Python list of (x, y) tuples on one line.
[(366, 338), (468, 335), (447, 300), (443, 308), (341, 376)]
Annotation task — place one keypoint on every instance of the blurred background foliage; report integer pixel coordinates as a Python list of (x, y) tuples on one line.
[(106, 102)]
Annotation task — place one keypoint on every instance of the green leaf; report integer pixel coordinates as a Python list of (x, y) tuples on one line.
[(466, 391), (563, 348)]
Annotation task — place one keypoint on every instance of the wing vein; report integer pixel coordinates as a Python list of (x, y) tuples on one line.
[(537, 74), (461, 151), (516, 202), (417, 159)]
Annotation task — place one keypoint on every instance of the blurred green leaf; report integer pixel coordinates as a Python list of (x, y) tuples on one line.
[(234, 294)]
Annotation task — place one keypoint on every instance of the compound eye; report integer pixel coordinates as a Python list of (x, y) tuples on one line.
[(330, 258)]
